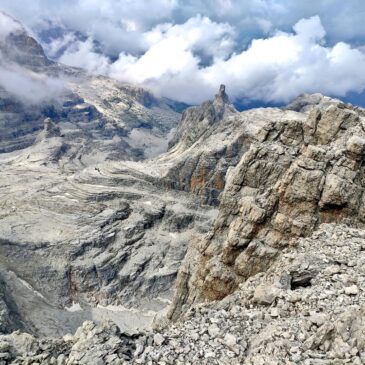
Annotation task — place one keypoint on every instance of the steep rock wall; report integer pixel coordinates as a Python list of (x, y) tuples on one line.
[(297, 174)]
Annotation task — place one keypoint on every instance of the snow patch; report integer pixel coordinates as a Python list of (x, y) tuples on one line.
[(75, 307), (28, 286)]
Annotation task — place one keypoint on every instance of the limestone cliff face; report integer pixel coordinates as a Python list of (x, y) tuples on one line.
[(207, 142), (299, 170), (25, 50), (212, 137)]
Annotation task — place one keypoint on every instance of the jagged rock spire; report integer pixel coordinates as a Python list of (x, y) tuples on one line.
[(222, 96), (197, 120), (222, 104), (51, 129)]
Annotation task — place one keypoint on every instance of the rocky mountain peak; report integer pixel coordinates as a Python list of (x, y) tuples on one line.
[(297, 170), (222, 94), (222, 105), (304, 103), (197, 120), (17, 46), (120, 120), (9, 26)]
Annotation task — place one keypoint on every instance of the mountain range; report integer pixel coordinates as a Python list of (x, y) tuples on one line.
[(135, 230)]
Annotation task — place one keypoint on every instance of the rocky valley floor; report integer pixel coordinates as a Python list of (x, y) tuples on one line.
[(308, 308), (89, 245)]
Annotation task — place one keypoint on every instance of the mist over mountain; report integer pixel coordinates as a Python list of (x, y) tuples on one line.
[(267, 51)]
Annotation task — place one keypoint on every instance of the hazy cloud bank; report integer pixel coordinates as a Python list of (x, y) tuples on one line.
[(268, 50), (187, 62), (28, 87)]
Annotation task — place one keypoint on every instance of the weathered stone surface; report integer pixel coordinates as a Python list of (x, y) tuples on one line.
[(197, 161), (309, 320), (91, 344), (306, 171), (82, 234), (102, 236), (305, 103), (201, 168), (197, 121)]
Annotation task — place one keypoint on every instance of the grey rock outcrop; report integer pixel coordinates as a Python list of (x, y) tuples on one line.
[(214, 136), (308, 308), (209, 140), (20, 48), (305, 103), (197, 121), (50, 130), (299, 171), (91, 344)]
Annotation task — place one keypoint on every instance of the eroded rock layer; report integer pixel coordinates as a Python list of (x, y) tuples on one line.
[(299, 170), (308, 308), (82, 234)]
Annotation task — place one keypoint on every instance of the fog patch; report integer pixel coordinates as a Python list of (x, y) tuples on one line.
[(27, 86), (8, 25)]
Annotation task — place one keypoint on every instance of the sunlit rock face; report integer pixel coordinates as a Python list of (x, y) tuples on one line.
[(298, 170)]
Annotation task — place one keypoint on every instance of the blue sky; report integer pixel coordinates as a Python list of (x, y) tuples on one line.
[(263, 50)]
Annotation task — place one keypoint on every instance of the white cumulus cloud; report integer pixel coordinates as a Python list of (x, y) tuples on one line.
[(267, 50), (279, 68), (82, 54), (273, 69)]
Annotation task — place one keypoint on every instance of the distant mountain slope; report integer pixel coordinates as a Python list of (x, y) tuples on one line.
[(84, 234), (122, 121)]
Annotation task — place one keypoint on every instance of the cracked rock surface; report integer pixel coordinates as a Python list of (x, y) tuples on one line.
[(308, 308), (299, 170)]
